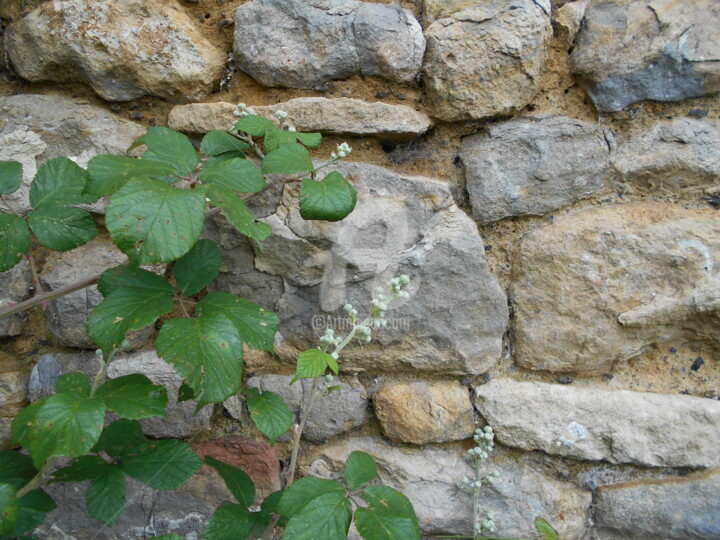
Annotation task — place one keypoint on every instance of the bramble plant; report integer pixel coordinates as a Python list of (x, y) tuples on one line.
[(157, 206)]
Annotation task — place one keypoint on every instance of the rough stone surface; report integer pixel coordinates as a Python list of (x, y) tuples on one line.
[(684, 153), (305, 43), (124, 49), (181, 419), (330, 116), (13, 395), (567, 20), (634, 50), (67, 316), (258, 459), (657, 430), (422, 412), (485, 60), (149, 513), (427, 476), (50, 366), (332, 414), (15, 287), (680, 508), (34, 128), (611, 282), (400, 225), (437, 9), (534, 165)]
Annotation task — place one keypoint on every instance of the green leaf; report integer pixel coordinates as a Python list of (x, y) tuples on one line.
[(22, 425), (110, 173), (236, 480), (134, 396), (360, 469), (254, 125), (62, 228), (58, 182), (327, 516), (229, 522), (274, 138), (65, 425), (186, 393), (207, 352), (8, 508), (119, 437), (105, 497), (153, 222), (311, 140), (16, 469), (299, 494), (32, 509), (330, 199), (169, 537), (288, 158), (310, 364), (333, 365), (221, 142), (256, 326), (73, 383), (545, 530), (165, 464), (265, 515), (198, 267), (238, 213), (135, 298), (14, 240), (168, 146), (269, 412), (235, 174), (389, 515), (81, 469), (10, 176)]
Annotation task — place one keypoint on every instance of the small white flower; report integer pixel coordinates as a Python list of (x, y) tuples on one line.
[(292, 128), (348, 308), (281, 115), (335, 355)]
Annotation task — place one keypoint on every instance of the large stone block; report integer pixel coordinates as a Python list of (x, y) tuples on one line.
[(633, 50), (601, 286), (656, 430), (15, 286), (124, 49)]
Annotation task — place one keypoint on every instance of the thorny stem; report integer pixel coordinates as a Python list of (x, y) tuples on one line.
[(46, 297)]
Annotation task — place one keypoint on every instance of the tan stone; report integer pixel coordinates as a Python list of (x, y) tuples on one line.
[(437, 9), (424, 412), (13, 384), (331, 116), (601, 286)]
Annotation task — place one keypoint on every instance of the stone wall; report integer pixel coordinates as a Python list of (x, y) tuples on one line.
[(546, 172)]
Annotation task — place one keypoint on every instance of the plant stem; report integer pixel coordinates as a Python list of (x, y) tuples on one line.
[(38, 479), (46, 297), (298, 433)]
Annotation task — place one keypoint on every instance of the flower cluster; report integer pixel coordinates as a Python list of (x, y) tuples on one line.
[(343, 150), (485, 441), (243, 110), (281, 115)]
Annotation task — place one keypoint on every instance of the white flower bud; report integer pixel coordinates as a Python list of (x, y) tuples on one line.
[(335, 355), (292, 128), (348, 307), (404, 280), (281, 115), (329, 378)]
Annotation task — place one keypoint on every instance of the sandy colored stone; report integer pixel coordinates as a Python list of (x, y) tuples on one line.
[(124, 49), (655, 430), (15, 286), (437, 9), (258, 459), (427, 477), (681, 508), (680, 154), (598, 287), (633, 50), (329, 116), (485, 60), (13, 383), (423, 412)]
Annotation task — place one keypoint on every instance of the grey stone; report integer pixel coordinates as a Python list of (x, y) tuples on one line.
[(67, 315), (534, 165), (332, 414), (427, 477), (612, 282), (50, 366), (684, 153), (34, 128), (681, 508), (181, 421), (485, 60), (633, 50), (15, 285), (305, 43), (148, 513), (567, 20), (400, 225), (331, 116), (656, 430), (124, 49)]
